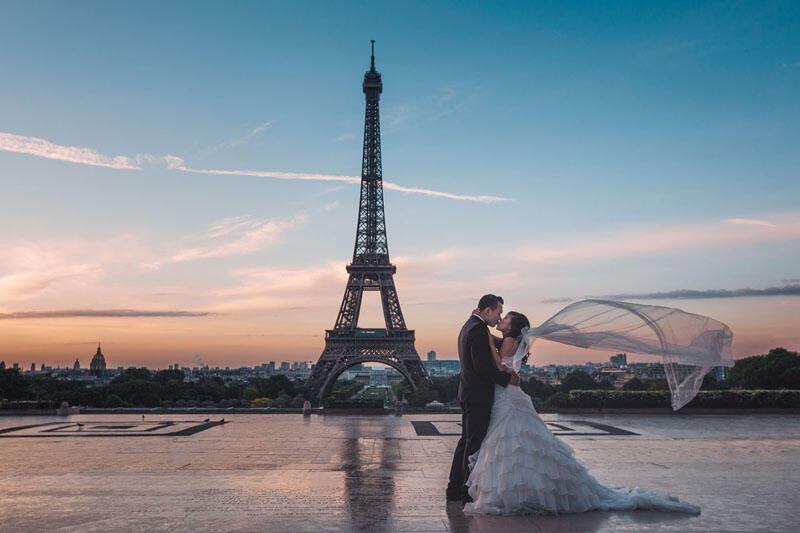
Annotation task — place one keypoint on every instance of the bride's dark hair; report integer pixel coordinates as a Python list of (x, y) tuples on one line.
[(518, 322)]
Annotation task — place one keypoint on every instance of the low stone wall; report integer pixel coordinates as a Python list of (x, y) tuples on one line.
[(387, 412), (708, 400)]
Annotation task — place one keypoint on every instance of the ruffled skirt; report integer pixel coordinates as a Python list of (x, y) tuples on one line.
[(522, 468)]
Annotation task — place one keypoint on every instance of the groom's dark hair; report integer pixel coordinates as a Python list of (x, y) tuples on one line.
[(489, 300)]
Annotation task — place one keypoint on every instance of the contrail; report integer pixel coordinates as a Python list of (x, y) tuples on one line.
[(35, 146)]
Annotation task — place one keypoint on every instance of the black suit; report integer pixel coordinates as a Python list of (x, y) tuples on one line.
[(477, 379)]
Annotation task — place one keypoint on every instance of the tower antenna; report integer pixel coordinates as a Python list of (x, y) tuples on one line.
[(372, 56)]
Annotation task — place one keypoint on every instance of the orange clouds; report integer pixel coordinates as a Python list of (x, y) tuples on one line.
[(282, 312)]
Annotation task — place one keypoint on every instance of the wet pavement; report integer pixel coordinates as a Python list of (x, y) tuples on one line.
[(288, 473)]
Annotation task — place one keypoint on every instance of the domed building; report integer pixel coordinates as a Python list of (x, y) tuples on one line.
[(98, 365)]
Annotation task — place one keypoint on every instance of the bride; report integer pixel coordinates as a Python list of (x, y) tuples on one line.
[(522, 467)]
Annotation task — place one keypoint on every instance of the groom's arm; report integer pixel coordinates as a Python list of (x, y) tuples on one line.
[(482, 360)]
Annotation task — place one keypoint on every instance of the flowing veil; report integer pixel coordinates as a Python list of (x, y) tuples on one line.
[(689, 345)]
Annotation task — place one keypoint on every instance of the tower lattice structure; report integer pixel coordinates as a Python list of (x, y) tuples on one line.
[(370, 270)]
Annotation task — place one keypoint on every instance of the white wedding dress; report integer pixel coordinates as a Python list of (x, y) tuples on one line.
[(522, 468)]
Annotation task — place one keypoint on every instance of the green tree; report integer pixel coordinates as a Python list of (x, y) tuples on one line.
[(273, 386), (775, 370), (537, 389), (250, 393), (262, 402), (130, 374), (167, 376), (422, 396), (446, 388), (578, 380), (635, 384), (13, 386)]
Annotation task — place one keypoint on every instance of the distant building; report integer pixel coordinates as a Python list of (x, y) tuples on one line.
[(76, 365), (271, 366), (98, 365), (15, 366), (2, 365), (285, 366), (620, 359), (444, 367), (379, 377), (432, 355), (33, 367), (43, 367)]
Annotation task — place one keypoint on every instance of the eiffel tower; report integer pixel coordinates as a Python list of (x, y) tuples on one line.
[(347, 344)]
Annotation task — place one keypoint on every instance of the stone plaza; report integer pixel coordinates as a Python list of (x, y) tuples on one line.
[(289, 473)]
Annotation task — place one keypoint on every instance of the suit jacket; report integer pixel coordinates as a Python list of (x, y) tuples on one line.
[(479, 374)]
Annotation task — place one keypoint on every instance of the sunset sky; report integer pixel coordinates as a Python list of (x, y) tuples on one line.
[(178, 179)]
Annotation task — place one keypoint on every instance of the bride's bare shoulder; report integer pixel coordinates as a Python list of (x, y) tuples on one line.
[(509, 346)]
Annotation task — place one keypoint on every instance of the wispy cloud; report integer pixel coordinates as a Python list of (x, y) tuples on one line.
[(87, 156), (248, 236), (790, 65), (750, 222), (791, 280), (28, 269), (665, 240), (691, 294), (484, 199), (35, 146), (228, 225), (282, 288), (445, 101), (102, 313), (556, 300), (344, 137), (24, 285), (178, 164), (423, 278), (480, 198), (238, 141)]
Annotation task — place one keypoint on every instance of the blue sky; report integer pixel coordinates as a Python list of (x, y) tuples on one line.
[(645, 148)]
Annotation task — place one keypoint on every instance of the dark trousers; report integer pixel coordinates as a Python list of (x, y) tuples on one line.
[(474, 424)]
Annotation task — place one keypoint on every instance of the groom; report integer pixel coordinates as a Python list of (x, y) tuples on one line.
[(477, 379)]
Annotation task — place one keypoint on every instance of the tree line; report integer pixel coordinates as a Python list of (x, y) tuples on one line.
[(778, 369), (140, 387)]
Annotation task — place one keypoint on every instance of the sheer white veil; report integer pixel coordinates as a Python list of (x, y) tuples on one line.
[(689, 345)]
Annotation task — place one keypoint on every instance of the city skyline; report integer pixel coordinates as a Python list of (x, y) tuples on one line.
[(174, 194)]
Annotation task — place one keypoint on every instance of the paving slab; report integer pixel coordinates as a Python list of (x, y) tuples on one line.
[(289, 473)]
